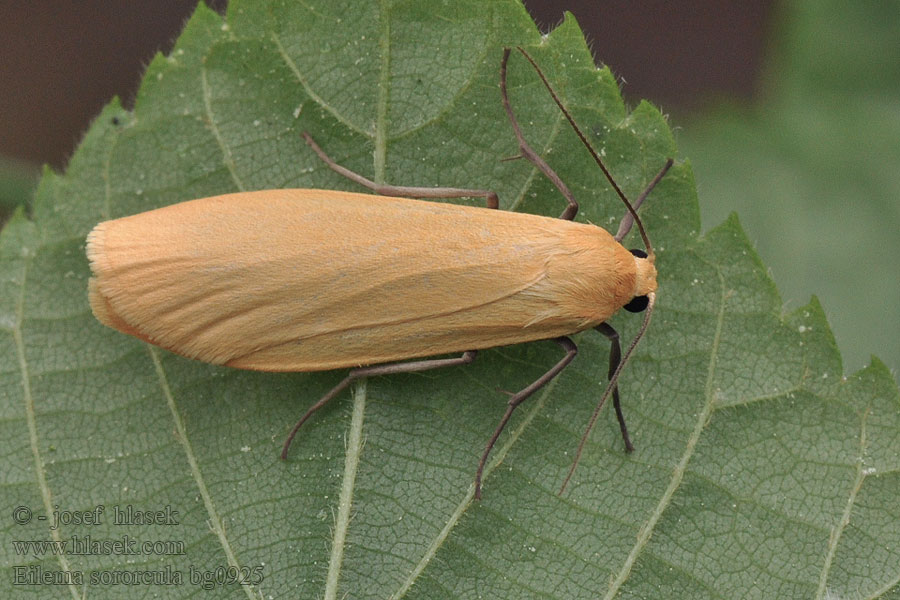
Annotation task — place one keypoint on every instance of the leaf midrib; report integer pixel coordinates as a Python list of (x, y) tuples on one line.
[(354, 443), (348, 485)]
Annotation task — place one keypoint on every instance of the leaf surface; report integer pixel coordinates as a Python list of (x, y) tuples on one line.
[(810, 166), (759, 471)]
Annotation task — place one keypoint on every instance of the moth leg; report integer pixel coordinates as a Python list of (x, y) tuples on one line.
[(387, 369), (490, 197), (571, 350), (615, 357), (528, 153)]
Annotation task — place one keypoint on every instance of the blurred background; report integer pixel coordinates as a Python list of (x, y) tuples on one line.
[(788, 111)]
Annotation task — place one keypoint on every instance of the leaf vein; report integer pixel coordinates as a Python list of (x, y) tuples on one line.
[(30, 417), (440, 115), (499, 454), (710, 589), (646, 530), (835, 537), (309, 92), (215, 519), (227, 158), (348, 483), (384, 90)]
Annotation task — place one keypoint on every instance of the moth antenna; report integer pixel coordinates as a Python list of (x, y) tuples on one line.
[(628, 220), (651, 297), (593, 152)]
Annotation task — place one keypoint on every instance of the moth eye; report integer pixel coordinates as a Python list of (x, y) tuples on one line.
[(637, 304)]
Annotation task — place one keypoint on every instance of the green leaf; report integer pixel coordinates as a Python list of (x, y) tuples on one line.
[(17, 182), (759, 470), (811, 167)]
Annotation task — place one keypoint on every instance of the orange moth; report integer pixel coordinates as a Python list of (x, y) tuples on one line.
[(309, 280)]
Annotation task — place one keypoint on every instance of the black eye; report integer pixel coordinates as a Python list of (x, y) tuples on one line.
[(637, 304)]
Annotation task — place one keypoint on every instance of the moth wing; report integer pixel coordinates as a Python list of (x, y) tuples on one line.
[(313, 279)]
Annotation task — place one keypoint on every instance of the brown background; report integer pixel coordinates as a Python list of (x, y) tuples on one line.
[(60, 62)]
